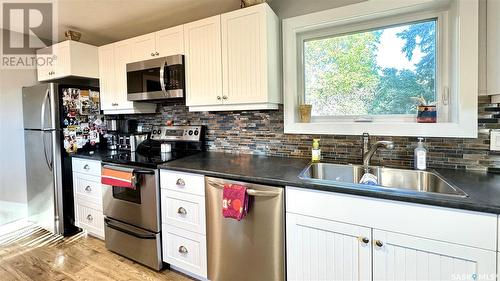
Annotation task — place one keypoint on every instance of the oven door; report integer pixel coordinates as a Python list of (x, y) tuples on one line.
[(139, 207), (156, 79)]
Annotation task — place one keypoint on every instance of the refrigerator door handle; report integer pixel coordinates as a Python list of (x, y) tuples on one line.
[(42, 112), (49, 163)]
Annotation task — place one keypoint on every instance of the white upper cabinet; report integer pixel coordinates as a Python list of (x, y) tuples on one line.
[(69, 58), (232, 61), (170, 41), (142, 48), (493, 43), (203, 62), (113, 59), (250, 58)]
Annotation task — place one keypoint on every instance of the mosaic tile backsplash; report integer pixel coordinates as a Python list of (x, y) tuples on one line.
[(261, 132)]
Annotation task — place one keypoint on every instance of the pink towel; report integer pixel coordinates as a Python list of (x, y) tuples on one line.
[(234, 201)]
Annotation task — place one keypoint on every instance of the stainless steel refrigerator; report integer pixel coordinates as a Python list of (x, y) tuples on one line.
[(48, 166)]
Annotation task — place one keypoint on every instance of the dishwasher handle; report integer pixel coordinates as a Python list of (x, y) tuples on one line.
[(250, 191)]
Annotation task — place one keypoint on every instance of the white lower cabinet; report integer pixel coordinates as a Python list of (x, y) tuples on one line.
[(183, 222), (87, 192), (404, 257), (319, 249), (343, 237)]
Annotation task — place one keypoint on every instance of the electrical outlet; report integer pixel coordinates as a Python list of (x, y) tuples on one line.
[(495, 140)]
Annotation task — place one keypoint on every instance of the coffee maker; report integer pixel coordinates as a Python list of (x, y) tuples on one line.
[(122, 134)]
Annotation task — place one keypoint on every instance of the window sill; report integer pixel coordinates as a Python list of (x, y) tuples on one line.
[(384, 129)]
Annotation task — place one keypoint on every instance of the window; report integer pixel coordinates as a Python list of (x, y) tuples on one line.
[(371, 72), (363, 66)]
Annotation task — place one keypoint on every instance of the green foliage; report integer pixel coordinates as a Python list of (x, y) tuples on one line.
[(342, 76)]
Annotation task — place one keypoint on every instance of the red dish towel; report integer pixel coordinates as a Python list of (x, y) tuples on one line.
[(118, 176), (234, 201)]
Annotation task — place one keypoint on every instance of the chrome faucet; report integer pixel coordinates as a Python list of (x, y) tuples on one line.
[(368, 150)]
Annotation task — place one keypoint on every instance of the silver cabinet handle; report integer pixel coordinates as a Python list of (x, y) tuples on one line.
[(183, 250), (86, 167), (90, 218), (181, 211), (114, 104), (224, 97), (180, 182), (157, 53), (219, 98), (363, 240), (379, 243), (88, 188), (152, 54)]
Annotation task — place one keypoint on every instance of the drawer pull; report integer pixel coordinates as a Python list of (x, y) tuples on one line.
[(88, 188), (379, 243), (180, 182), (181, 211), (86, 167), (90, 218), (183, 250)]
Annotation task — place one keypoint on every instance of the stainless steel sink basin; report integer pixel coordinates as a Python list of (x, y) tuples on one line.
[(388, 178)]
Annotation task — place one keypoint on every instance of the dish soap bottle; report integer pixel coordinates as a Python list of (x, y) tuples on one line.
[(316, 152), (420, 161)]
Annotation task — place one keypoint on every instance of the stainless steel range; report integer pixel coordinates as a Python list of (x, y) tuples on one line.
[(132, 216)]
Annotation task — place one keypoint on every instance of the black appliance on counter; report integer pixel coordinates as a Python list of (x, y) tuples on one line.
[(132, 216)]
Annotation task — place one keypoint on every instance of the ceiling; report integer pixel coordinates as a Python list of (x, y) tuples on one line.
[(106, 21)]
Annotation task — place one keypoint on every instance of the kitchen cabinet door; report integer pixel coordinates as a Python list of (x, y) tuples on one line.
[(123, 54), (244, 51), (107, 77), (320, 249), (142, 48), (203, 62), (403, 257), (46, 65), (170, 41), (493, 43), (62, 66)]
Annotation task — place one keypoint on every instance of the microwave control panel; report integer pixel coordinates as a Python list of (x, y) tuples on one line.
[(176, 133)]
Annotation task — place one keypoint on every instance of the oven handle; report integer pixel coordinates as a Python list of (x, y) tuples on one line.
[(144, 172), (127, 231)]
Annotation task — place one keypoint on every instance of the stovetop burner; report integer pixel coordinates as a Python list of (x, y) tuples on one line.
[(146, 160)]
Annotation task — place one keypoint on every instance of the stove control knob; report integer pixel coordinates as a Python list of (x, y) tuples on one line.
[(190, 132), (154, 132), (196, 132), (159, 132)]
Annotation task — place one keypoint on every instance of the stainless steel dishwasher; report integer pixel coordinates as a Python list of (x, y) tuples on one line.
[(250, 249)]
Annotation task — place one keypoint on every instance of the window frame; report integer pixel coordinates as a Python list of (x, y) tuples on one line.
[(456, 74), (339, 30)]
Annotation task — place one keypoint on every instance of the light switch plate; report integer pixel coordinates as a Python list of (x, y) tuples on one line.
[(495, 140)]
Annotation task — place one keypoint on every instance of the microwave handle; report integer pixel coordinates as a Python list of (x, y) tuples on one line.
[(162, 77)]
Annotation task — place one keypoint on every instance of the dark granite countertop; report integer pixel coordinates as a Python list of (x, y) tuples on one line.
[(97, 155), (483, 188)]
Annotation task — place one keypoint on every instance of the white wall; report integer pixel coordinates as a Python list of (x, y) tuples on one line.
[(12, 168)]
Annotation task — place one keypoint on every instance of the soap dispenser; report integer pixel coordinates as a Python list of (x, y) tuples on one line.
[(316, 151), (420, 161)]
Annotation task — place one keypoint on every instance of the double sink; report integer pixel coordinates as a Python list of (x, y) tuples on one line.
[(408, 181)]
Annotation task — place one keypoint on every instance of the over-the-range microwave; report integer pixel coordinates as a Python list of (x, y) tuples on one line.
[(156, 79)]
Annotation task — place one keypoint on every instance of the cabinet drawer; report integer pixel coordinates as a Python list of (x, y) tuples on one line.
[(183, 182), (183, 210), (90, 218), (88, 187), (184, 249), (88, 167)]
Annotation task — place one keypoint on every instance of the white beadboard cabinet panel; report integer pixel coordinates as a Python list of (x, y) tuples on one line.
[(492, 45), (107, 85), (250, 57), (202, 40), (63, 62), (325, 250), (170, 41), (404, 257), (143, 47), (438, 223)]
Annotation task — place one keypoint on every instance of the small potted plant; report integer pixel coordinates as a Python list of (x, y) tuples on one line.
[(426, 112)]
